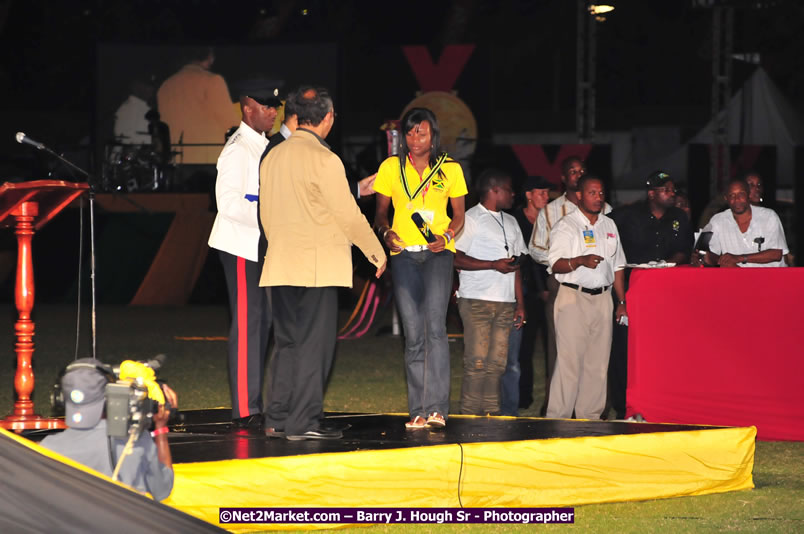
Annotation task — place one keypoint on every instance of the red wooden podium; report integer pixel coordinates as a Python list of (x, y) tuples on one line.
[(28, 206)]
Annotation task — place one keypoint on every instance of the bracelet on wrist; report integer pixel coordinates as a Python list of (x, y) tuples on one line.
[(569, 260), (160, 431), (449, 235)]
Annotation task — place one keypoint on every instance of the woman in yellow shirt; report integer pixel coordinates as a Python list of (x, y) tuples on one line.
[(419, 182)]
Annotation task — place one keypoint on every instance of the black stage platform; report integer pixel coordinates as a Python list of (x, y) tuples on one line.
[(208, 435), (476, 462)]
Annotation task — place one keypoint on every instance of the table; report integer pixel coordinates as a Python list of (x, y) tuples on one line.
[(718, 346)]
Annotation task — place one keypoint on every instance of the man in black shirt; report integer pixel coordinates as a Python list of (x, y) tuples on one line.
[(653, 230), (517, 381)]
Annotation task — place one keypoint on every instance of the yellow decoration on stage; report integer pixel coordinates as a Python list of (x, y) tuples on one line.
[(534, 473)]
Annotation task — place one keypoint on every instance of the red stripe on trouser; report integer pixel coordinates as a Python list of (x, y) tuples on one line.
[(242, 338)]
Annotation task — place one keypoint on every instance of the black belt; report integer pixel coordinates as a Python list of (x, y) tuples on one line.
[(596, 291)]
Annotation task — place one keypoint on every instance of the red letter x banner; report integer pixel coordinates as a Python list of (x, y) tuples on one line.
[(535, 162), (439, 76)]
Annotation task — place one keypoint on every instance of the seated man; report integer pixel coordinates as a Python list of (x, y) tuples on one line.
[(745, 235), (149, 467)]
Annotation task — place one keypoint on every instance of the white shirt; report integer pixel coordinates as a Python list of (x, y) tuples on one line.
[(574, 235), (539, 244), (727, 237), (130, 123), (237, 188), (483, 238)]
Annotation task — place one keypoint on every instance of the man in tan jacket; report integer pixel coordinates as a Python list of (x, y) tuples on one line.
[(311, 220)]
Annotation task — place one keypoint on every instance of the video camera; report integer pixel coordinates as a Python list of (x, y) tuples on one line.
[(134, 397), (132, 394)]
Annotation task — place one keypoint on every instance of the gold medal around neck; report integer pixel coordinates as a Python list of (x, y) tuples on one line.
[(410, 206)]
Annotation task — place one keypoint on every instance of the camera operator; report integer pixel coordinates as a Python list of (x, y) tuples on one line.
[(148, 467)]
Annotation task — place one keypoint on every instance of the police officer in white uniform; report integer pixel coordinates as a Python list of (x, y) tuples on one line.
[(236, 235)]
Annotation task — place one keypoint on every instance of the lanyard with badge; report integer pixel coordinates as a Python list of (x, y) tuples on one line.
[(500, 223), (422, 188)]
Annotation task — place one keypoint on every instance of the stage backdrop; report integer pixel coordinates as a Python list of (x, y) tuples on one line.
[(283, 66)]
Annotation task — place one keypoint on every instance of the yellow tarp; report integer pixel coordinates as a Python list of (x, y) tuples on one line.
[(535, 473)]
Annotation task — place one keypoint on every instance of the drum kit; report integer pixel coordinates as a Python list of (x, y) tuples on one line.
[(137, 167)]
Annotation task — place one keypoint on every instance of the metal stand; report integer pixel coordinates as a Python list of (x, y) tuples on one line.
[(586, 61), (93, 312), (722, 41)]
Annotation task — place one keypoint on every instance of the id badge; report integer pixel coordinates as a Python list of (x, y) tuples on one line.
[(589, 239), (427, 215)]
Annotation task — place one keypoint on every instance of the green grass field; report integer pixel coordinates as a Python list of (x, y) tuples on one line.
[(369, 376)]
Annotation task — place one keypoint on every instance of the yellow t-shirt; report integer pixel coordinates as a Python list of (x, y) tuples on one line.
[(431, 204)]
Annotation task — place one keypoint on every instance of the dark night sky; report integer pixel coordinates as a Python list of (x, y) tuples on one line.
[(653, 56), (654, 59)]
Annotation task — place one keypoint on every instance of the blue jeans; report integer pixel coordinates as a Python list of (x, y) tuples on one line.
[(509, 383), (422, 286)]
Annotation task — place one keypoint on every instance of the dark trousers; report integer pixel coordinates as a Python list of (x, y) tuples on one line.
[(248, 334), (618, 369), (305, 328), (550, 330), (534, 306)]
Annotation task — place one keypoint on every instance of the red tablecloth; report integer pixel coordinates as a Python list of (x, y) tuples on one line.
[(718, 346)]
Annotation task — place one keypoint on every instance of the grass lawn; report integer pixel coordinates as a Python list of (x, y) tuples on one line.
[(368, 376)]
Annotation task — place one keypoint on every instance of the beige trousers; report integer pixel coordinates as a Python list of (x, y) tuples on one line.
[(583, 339)]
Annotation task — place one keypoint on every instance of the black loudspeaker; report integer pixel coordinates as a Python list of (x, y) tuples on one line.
[(795, 240)]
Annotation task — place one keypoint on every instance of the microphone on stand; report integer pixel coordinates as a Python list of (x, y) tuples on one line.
[(24, 139)]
